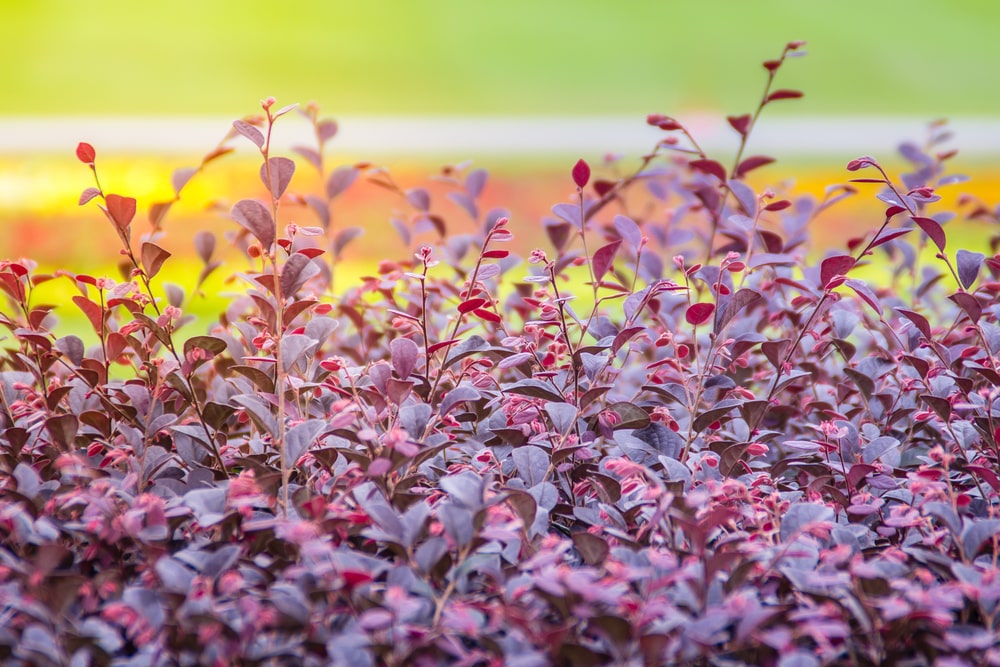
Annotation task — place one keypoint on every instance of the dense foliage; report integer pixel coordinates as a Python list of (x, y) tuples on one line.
[(725, 456)]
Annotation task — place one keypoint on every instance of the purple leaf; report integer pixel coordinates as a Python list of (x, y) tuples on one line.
[(866, 294), (280, 170), (403, 354), (969, 264), (326, 130), (250, 132), (256, 219), (344, 237), (744, 195), (339, 180), (628, 230), (204, 245), (475, 182), (419, 199), (296, 271)]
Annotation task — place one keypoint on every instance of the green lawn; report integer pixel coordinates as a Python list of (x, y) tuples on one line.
[(921, 57)]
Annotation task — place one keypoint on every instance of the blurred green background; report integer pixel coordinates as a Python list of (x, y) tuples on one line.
[(515, 57)]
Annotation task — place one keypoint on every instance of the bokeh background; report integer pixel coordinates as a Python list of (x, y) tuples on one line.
[(154, 85)]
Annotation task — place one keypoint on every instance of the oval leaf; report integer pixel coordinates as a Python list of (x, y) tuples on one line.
[(256, 219), (280, 170), (699, 313)]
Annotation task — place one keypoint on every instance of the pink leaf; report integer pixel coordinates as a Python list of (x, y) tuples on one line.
[(933, 230), (581, 174), (699, 313), (181, 177), (88, 194), (603, 258)]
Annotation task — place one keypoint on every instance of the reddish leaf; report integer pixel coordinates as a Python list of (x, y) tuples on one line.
[(603, 187), (933, 231), (784, 94), (153, 257), (969, 304), (280, 170), (581, 174), (487, 315), (92, 311), (445, 343), (919, 321), (699, 313), (751, 163), (496, 254), (709, 167), (889, 235), (831, 267), (740, 123), (470, 305), (85, 153), (121, 209), (861, 163), (779, 205), (158, 211), (603, 259), (256, 219)]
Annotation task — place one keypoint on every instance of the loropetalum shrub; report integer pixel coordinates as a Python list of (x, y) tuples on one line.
[(720, 454)]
